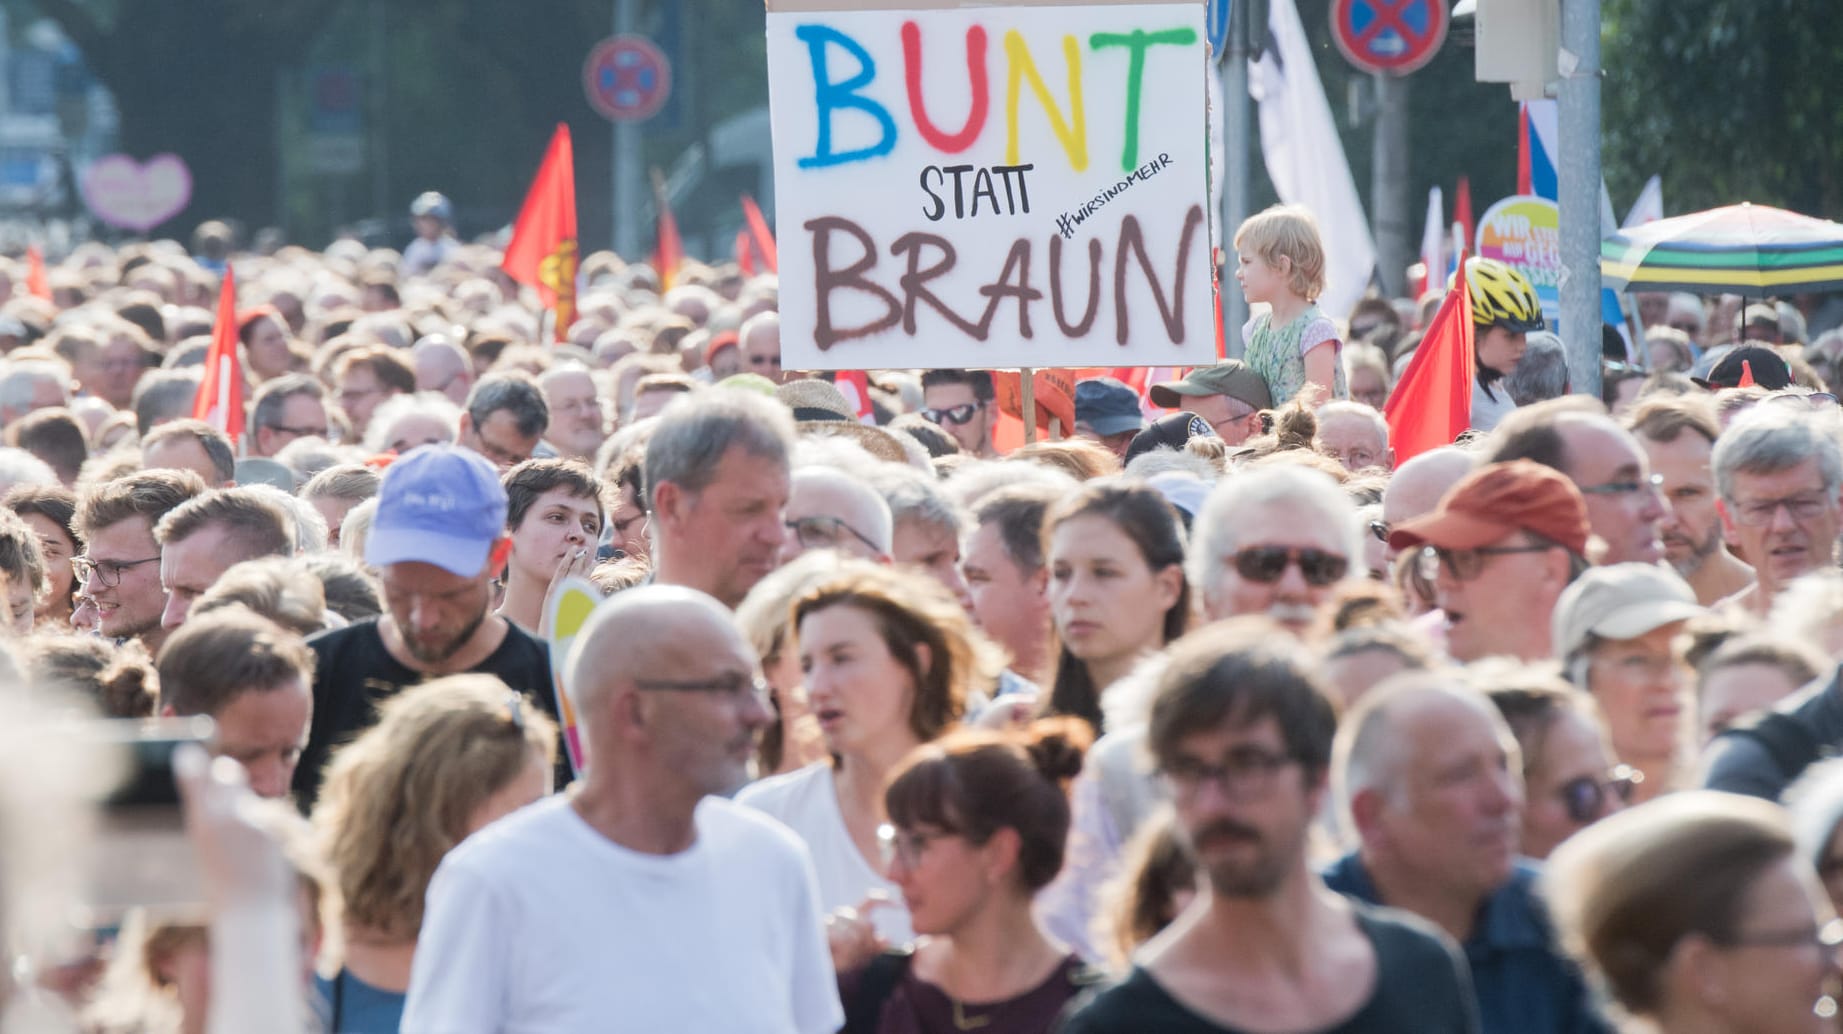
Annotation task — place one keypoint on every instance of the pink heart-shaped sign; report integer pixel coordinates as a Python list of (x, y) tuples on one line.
[(134, 195)]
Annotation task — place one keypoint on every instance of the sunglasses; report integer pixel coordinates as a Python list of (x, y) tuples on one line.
[(955, 415), (1267, 564), (1585, 798)]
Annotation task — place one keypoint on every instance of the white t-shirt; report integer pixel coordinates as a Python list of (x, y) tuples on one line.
[(807, 801), (540, 924)]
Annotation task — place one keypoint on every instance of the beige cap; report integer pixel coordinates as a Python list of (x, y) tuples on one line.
[(1620, 601)]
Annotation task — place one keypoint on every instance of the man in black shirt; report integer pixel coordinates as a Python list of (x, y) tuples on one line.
[(1242, 735), (438, 536)]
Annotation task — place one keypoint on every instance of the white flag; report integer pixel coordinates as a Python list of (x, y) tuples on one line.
[(1305, 158), (1649, 207), (1433, 240)]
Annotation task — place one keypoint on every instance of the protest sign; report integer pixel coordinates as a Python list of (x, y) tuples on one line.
[(1524, 232), (991, 187)]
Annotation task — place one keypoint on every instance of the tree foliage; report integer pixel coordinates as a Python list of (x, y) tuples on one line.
[(1729, 100)]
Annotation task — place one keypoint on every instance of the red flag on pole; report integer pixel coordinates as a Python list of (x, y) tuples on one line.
[(1462, 211), (1432, 404), (542, 253), (668, 250), (745, 255), (760, 235), (219, 401), (38, 285)]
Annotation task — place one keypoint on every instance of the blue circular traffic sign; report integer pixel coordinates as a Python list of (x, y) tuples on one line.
[(627, 78), (1396, 36)]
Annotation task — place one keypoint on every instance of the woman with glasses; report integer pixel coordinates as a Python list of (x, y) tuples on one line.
[(889, 660), (446, 758), (1570, 780), (977, 824), (1117, 591), (1699, 913)]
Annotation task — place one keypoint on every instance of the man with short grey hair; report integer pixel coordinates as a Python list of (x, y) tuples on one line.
[(829, 509), (928, 526), (717, 483), (30, 384), (289, 407), (1542, 373), (1778, 472), (577, 423), (1276, 541), (504, 419), (1428, 776), (1355, 435)]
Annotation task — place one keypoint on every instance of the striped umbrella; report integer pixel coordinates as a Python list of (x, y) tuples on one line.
[(1742, 249)]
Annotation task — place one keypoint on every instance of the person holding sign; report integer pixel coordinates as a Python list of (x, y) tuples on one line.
[(1294, 346)]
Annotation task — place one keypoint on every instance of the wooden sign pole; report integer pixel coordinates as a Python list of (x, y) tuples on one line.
[(1028, 402)]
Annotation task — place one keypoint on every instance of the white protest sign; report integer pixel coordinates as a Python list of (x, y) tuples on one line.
[(991, 187)]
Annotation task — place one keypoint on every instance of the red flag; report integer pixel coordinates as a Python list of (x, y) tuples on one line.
[(543, 249), (668, 250), (761, 235), (38, 285), (1525, 178), (219, 401), (745, 255), (1432, 404), (854, 385), (1462, 210)]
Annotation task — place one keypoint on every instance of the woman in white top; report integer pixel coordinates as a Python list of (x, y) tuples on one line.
[(889, 658)]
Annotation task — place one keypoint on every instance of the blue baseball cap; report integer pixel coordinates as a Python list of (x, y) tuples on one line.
[(1108, 406), (441, 505)]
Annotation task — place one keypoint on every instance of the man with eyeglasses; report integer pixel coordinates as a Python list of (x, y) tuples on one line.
[(760, 341), (577, 424), (1779, 475), (960, 402), (1499, 551), (1230, 397), (1428, 777), (1241, 733), (442, 366), (289, 407), (120, 565), (1619, 633), (504, 420), (1625, 500), (1355, 435), (661, 904), (828, 509), (367, 378), (1276, 541)]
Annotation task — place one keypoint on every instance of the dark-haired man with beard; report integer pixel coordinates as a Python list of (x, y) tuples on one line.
[(438, 537), (1241, 732), (1678, 435)]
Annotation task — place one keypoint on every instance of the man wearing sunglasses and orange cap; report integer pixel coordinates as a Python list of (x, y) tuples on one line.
[(1499, 550), (1276, 541)]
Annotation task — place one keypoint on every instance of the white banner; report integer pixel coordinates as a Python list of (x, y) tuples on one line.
[(992, 187)]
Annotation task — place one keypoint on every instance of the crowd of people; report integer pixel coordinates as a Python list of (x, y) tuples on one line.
[(1207, 714)]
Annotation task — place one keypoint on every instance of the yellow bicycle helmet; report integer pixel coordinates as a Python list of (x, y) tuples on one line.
[(1501, 296)]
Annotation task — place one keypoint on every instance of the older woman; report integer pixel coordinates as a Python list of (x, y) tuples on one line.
[(1699, 913)]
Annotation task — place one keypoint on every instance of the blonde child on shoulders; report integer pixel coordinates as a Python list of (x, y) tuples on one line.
[(1281, 261)]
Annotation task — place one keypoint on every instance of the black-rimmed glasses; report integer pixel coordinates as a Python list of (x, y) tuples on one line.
[(1465, 564), (107, 572)]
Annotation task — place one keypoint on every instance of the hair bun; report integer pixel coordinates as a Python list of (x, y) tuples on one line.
[(1057, 746), (1295, 425)]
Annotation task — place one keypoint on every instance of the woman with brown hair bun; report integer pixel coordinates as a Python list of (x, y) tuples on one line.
[(977, 825)]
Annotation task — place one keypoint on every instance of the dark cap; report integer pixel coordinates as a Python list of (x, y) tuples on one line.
[(1167, 432), (1497, 499), (1232, 377), (1769, 369), (1108, 406)]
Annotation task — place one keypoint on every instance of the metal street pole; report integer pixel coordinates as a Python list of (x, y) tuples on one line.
[(1579, 174), (625, 203), (1237, 127), (1388, 185)]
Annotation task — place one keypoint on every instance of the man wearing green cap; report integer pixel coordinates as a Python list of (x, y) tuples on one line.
[(1228, 396)]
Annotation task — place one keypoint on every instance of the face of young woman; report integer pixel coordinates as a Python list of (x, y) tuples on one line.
[(858, 690), (1107, 602), (557, 525), (945, 879)]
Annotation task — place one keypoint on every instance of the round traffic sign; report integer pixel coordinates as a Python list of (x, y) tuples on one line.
[(627, 78), (1396, 36)]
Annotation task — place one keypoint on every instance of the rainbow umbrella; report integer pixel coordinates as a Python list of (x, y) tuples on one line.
[(1744, 249)]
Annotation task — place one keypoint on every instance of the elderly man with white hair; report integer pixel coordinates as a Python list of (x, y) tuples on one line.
[(1355, 435), (406, 421), (578, 425), (1276, 541), (1779, 480), (829, 509), (31, 384)]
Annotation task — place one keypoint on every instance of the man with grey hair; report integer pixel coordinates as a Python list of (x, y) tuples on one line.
[(1542, 373), (442, 367), (829, 509), (928, 526), (717, 483), (651, 878), (504, 419), (290, 406), (577, 423), (408, 421), (1625, 500), (1778, 473), (29, 384), (1355, 435), (1427, 775), (1276, 541)]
